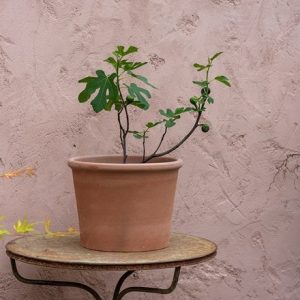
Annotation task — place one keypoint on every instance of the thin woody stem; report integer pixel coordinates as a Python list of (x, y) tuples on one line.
[(144, 145), (157, 148), (196, 124), (123, 131), (154, 154)]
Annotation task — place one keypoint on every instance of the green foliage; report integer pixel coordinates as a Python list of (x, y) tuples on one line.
[(214, 56), (129, 99), (139, 95), (202, 84), (210, 100), (200, 67), (223, 79), (153, 124), (107, 94), (194, 100), (112, 61), (172, 116), (170, 122), (177, 112), (138, 135), (142, 78), (120, 90), (120, 52), (130, 65), (119, 63)]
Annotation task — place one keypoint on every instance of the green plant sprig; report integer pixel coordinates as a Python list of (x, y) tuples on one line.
[(111, 94)]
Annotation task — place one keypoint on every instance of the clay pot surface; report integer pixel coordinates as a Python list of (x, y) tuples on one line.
[(124, 207)]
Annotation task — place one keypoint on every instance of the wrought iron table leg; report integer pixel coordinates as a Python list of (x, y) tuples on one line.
[(118, 295), (52, 282)]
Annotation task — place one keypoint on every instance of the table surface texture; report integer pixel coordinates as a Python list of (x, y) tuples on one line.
[(66, 252)]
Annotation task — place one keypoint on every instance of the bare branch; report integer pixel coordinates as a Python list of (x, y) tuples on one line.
[(154, 154)]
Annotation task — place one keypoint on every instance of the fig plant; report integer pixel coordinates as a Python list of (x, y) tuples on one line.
[(113, 91)]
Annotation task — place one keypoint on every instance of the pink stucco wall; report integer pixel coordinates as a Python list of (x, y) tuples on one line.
[(240, 182)]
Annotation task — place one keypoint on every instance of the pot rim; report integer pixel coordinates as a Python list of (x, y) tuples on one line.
[(80, 162)]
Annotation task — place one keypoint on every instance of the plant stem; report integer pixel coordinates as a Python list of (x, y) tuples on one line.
[(155, 154), (157, 148), (144, 145), (123, 131), (196, 124)]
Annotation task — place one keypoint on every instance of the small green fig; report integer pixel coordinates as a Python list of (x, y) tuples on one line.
[(204, 127)]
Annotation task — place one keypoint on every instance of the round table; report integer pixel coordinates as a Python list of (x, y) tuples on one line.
[(65, 252)]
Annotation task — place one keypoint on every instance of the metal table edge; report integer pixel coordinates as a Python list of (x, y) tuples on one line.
[(110, 267)]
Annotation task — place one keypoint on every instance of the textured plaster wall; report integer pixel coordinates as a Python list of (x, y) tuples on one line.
[(240, 182)]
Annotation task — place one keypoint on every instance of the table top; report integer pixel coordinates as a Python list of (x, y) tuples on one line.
[(66, 252)]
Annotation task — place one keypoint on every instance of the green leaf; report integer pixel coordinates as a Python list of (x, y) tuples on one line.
[(140, 105), (179, 110), (138, 135), (92, 83), (111, 61), (120, 49), (215, 56), (210, 100), (118, 106), (107, 95), (153, 124), (23, 226), (131, 49), (142, 78), (168, 113), (200, 67), (107, 91), (194, 100), (121, 52), (223, 79), (139, 94), (203, 83), (130, 65), (111, 103), (170, 123)]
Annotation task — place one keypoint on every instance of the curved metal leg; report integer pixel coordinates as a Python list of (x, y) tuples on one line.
[(120, 283), (118, 295), (52, 282)]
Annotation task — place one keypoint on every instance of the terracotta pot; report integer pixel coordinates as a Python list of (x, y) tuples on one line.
[(124, 207)]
